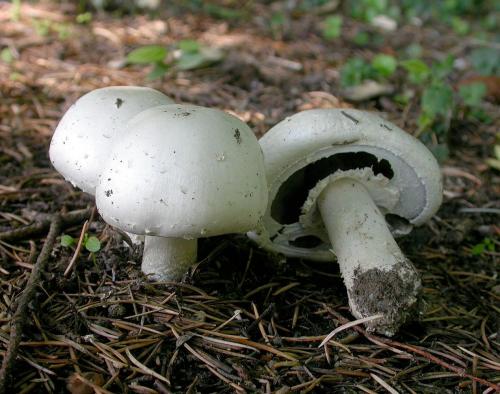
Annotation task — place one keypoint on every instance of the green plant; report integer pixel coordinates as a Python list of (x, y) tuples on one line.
[(15, 11), (486, 245), (277, 23), (361, 38), (67, 241), (459, 25), (189, 55), (332, 27), (354, 71), (83, 18), (472, 94), (91, 243), (494, 162), (437, 102), (6, 55), (193, 55), (42, 26), (366, 10), (486, 61), (384, 65), (150, 54), (418, 71)]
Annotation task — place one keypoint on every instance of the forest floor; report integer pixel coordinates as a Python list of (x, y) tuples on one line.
[(243, 321)]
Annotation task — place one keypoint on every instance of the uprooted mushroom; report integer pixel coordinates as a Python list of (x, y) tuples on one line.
[(341, 183)]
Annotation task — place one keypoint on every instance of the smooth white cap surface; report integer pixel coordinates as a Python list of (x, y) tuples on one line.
[(184, 171), (87, 131), (306, 138)]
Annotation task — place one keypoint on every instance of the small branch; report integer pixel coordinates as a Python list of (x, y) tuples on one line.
[(256, 322), (72, 262), (20, 315), (26, 232)]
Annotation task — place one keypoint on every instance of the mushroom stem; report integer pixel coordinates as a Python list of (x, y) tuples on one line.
[(378, 277), (168, 259)]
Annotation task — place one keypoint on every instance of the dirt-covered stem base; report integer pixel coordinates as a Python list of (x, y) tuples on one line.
[(378, 277)]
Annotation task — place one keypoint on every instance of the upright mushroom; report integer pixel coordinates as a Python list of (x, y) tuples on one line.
[(339, 181), (182, 172), (87, 131)]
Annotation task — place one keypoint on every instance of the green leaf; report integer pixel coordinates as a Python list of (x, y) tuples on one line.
[(67, 241), (440, 151), (361, 38), (486, 61), (425, 120), (354, 72), (460, 26), (203, 58), (332, 27), (496, 151), (441, 69), (417, 70), (221, 12), (92, 244), (277, 19), (437, 99), (147, 54), (6, 55), (158, 71), (84, 18), (478, 249), (490, 245), (472, 94), (384, 65), (189, 46), (493, 163)]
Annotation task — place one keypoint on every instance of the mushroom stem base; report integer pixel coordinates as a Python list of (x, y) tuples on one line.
[(378, 277), (168, 259)]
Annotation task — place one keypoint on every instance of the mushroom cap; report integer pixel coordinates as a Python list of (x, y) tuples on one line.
[(303, 150), (86, 132), (184, 171)]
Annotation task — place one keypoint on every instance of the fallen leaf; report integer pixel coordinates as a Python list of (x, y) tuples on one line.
[(367, 90), (319, 99)]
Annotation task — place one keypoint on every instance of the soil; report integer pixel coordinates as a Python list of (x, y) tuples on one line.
[(392, 293)]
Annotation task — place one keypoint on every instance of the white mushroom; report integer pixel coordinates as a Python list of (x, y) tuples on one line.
[(182, 172), (88, 130), (333, 175)]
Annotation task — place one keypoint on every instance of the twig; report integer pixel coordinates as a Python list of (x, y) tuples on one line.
[(72, 262), (25, 232), (256, 322), (19, 319)]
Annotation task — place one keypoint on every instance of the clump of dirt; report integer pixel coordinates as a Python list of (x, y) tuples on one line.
[(393, 293)]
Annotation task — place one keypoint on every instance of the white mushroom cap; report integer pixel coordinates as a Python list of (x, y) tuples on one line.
[(85, 134), (184, 171), (310, 146)]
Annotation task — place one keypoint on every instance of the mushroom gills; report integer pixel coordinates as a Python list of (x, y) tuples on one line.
[(287, 205), (378, 277)]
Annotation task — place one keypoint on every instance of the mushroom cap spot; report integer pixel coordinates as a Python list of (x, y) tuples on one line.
[(312, 135), (90, 126), (190, 193)]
